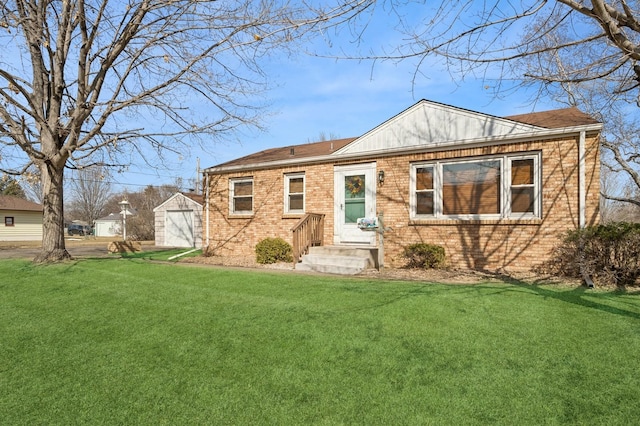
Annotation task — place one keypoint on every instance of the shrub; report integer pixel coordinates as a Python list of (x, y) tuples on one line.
[(272, 250), (608, 253), (141, 227), (424, 256)]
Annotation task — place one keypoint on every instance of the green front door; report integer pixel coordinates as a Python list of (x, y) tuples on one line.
[(355, 197)]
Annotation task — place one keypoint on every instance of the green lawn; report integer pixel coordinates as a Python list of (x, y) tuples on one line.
[(126, 341)]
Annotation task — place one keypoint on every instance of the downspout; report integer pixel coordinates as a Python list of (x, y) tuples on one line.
[(582, 173), (206, 203), (582, 201)]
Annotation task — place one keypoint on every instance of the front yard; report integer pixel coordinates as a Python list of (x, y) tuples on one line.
[(125, 341)]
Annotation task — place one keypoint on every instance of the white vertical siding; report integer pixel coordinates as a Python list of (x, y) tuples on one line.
[(430, 124)]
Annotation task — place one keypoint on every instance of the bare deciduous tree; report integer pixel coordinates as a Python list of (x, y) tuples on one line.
[(141, 224), (82, 82), (90, 190), (32, 184), (584, 53)]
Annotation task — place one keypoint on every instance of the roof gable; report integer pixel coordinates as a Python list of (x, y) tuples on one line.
[(427, 125), (191, 199), (9, 202), (430, 124)]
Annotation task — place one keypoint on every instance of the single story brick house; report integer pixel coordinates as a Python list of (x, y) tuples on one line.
[(21, 219), (495, 192), (178, 221)]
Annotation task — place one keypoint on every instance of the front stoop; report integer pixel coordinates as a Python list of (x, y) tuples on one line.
[(343, 260)]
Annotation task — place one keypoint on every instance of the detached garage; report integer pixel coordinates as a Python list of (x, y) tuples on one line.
[(178, 221)]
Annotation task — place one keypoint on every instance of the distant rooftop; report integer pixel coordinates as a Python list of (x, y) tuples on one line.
[(9, 202)]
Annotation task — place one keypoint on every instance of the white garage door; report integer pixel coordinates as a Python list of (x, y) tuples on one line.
[(179, 228)]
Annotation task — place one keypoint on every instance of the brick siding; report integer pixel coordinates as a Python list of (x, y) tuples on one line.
[(508, 244)]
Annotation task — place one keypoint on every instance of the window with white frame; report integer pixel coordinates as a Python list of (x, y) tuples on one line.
[(294, 193), (486, 188), (523, 186), (424, 191), (241, 196)]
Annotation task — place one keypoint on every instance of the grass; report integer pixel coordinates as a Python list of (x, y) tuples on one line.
[(125, 341), (168, 255)]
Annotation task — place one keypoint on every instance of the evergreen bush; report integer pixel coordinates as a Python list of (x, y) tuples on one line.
[(272, 250), (424, 256)]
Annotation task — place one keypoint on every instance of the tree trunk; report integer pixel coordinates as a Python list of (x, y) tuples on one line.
[(53, 247)]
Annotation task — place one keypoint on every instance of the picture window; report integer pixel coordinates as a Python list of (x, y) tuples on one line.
[(487, 188)]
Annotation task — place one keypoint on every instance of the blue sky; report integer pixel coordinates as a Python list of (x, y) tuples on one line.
[(312, 95), (343, 98)]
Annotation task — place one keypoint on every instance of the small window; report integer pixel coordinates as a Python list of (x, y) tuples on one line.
[(241, 196), (523, 188), (294, 193), (8, 221), (424, 191)]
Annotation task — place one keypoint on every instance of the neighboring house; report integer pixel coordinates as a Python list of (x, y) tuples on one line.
[(178, 221), (496, 193), (108, 226), (21, 219)]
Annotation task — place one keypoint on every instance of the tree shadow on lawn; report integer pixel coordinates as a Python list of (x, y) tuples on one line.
[(578, 296), (575, 296)]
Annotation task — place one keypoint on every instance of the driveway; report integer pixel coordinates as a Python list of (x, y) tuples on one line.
[(76, 247)]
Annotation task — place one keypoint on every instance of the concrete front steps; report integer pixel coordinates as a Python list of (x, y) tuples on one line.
[(343, 260)]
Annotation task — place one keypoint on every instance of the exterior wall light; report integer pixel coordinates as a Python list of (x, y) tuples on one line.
[(381, 177)]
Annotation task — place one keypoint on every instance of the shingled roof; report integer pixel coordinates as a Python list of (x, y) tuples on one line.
[(553, 119), (9, 202), (198, 198), (293, 151)]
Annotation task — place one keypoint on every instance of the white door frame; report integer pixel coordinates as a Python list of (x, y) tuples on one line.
[(348, 233)]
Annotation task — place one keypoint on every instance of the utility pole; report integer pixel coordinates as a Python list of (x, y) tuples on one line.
[(197, 191)]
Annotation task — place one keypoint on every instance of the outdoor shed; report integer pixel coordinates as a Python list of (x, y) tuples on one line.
[(178, 221), (22, 219), (108, 226), (496, 192)]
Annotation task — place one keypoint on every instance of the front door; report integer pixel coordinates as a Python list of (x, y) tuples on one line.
[(355, 196)]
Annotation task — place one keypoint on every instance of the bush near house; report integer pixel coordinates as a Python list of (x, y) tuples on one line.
[(272, 250), (424, 256), (608, 253)]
